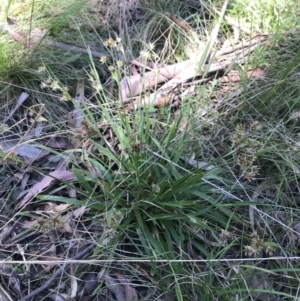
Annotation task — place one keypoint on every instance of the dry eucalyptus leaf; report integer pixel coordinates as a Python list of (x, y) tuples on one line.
[(77, 112), (130, 292), (72, 192), (90, 283), (56, 297), (117, 289), (64, 175), (74, 283), (43, 153), (24, 150), (79, 211), (197, 164), (53, 208), (6, 230), (29, 224), (68, 218)]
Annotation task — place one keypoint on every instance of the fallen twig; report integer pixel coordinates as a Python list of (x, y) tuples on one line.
[(71, 48), (47, 42), (135, 84), (242, 45)]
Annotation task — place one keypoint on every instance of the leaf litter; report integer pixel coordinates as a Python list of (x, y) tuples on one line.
[(50, 232), (53, 232)]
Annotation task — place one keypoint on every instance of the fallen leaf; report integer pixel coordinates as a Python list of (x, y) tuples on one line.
[(24, 150), (43, 153), (74, 283), (197, 164), (90, 283), (67, 219), (29, 224), (63, 175), (116, 288), (56, 297), (79, 211), (77, 112), (130, 292), (53, 208)]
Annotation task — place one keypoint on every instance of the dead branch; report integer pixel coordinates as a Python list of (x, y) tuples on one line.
[(135, 84), (38, 37), (131, 86)]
